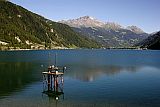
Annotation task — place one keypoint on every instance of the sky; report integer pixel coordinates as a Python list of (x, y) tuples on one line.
[(142, 13)]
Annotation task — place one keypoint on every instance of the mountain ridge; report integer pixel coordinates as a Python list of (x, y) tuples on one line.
[(109, 34), (85, 21), (88, 21)]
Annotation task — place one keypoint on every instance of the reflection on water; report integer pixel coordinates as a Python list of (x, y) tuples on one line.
[(90, 74), (93, 78), (15, 76), (54, 94)]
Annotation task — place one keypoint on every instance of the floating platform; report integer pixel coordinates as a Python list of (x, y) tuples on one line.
[(53, 73), (53, 81)]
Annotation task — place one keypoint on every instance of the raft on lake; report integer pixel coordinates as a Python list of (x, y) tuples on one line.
[(53, 81)]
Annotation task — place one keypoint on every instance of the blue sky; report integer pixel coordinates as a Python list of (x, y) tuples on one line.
[(142, 13)]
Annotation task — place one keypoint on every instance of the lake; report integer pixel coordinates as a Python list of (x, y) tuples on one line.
[(94, 78)]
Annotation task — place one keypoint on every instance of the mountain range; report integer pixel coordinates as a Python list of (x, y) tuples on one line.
[(23, 29), (109, 34)]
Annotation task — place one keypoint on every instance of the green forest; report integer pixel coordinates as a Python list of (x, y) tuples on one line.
[(20, 28)]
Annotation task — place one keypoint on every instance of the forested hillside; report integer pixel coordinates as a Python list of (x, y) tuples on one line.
[(20, 28)]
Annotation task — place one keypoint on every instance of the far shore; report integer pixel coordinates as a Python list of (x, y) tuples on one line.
[(62, 48)]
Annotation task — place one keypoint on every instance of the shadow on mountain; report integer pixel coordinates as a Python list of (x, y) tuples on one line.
[(152, 42)]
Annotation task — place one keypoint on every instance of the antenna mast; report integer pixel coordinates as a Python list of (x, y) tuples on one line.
[(56, 60)]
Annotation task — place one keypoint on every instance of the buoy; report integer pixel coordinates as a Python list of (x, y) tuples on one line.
[(57, 98)]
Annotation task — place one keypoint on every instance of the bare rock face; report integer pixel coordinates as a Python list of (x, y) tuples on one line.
[(88, 21), (85, 21), (135, 29)]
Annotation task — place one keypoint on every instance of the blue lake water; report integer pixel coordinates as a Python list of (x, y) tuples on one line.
[(94, 78)]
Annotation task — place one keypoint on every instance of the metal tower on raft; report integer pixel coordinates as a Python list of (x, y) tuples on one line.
[(53, 81)]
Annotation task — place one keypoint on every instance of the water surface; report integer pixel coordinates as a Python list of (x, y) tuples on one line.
[(93, 78)]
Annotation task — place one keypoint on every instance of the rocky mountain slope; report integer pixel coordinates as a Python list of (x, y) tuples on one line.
[(20, 28), (109, 34), (152, 42)]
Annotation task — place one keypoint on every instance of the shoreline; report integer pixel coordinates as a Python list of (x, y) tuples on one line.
[(76, 49)]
